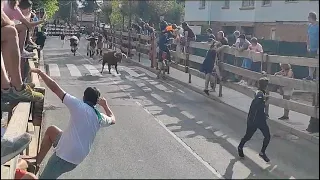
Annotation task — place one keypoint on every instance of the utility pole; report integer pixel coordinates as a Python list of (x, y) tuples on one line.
[(70, 11), (129, 27)]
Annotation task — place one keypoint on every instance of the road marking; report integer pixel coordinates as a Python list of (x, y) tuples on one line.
[(74, 71), (54, 70), (131, 72), (92, 69), (188, 115), (206, 164), (163, 88), (157, 97)]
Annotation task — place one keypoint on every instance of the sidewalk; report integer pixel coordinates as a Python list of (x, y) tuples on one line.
[(296, 125)]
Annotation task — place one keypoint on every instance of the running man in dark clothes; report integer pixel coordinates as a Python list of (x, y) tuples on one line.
[(257, 119)]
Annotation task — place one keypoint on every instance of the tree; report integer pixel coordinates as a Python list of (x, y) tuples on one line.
[(64, 9), (105, 14), (89, 6), (50, 6)]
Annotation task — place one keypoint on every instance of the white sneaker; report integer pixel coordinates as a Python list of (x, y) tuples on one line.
[(26, 54), (11, 148)]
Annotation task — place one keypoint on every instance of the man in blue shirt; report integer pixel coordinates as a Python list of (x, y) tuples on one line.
[(312, 41)]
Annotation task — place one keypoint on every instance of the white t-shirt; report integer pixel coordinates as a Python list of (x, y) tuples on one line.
[(76, 140)]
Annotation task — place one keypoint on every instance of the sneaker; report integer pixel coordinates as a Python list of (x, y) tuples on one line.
[(25, 95), (308, 78), (264, 157), (26, 54), (283, 118), (206, 91), (11, 148), (240, 152)]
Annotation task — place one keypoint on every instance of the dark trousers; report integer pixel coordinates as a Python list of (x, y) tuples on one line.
[(251, 129)]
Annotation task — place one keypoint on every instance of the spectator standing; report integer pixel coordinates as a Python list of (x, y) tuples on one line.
[(286, 92), (242, 45), (312, 41), (257, 48)]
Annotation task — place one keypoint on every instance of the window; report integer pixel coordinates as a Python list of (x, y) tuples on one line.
[(247, 3), (248, 31), (266, 2), (273, 34), (202, 4), (226, 4)]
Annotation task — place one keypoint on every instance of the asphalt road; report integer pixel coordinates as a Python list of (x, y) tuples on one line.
[(165, 130)]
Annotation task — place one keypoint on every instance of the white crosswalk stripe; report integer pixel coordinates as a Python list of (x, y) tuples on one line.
[(74, 71), (54, 70), (92, 70)]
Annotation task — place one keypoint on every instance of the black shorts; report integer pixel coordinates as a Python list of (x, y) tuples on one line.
[(62, 36)]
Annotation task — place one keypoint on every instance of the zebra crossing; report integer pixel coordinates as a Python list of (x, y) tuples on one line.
[(78, 70)]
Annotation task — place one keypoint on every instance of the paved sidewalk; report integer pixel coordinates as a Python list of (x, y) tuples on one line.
[(296, 125)]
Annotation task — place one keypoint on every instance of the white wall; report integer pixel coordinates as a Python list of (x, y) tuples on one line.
[(193, 13), (278, 11), (282, 11)]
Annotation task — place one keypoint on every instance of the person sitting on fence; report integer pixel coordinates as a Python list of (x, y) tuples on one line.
[(191, 36), (210, 34), (13, 89), (286, 92), (41, 39), (26, 9), (313, 41), (236, 35), (14, 13), (74, 143)]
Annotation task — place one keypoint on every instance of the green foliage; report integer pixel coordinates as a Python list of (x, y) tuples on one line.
[(148, 10), (89, 6), (50, 6)]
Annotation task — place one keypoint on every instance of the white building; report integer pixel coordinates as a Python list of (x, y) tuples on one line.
[(271, 19)]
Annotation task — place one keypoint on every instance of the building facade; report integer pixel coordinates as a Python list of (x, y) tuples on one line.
[(283, 20)]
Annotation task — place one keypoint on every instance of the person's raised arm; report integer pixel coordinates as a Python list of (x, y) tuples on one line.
[(31, 24), (103, 103), (52, 85)]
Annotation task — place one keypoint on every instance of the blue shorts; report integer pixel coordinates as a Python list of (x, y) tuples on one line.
[(246, 63)]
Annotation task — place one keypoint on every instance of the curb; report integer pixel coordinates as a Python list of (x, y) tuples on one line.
[(280, 125)]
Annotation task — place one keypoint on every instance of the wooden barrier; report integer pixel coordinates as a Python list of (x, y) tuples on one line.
[(184, 65), (19, 123)]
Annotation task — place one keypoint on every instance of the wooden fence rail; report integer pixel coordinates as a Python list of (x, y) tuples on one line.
[(22, 119), (183, 64)]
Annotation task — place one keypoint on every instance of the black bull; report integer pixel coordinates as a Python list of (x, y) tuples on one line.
[(112, 58)]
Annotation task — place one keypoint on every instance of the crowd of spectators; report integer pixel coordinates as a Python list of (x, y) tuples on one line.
[(18, 23)]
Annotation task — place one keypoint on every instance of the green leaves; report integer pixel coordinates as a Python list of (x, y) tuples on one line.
[(50, 6)]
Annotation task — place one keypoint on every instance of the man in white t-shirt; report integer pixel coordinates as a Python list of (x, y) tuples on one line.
[(74, 143)]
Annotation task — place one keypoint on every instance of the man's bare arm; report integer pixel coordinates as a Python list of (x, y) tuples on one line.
[(50, 83)]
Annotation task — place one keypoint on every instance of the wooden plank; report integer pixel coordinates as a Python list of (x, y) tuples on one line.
[(277, 80), (17, 126), (34, 76), (145, 37), (299, 61), (288, 104), (33, 146)]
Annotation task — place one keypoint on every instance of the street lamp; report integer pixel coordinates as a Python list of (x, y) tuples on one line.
[(121, 10)]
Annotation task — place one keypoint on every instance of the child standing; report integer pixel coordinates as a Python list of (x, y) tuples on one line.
[(257, 119)]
